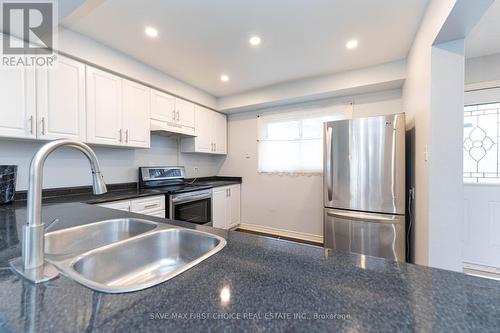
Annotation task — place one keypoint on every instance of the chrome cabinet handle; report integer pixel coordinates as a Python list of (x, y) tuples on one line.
[(150, 206), (126, 136), (173, 114), (215, 146), (328, 161), (178, 117), (44, 125), (121, 134), (32, 125)]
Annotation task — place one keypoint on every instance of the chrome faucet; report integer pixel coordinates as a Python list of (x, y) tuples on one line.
[(31, 265)]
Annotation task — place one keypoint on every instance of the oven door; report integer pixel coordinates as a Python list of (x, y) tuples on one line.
[(194, 207)]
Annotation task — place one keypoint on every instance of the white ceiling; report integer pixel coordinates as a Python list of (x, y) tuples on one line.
[(199, 39), (484, 39)]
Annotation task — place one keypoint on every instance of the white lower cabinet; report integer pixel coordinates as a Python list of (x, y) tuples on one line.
[(226, 206), (153, 206)]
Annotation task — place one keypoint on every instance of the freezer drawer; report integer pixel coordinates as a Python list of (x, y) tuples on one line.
[(379, 235)]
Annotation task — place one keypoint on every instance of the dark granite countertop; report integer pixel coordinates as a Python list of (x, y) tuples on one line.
[(116, 192), (254, 284)]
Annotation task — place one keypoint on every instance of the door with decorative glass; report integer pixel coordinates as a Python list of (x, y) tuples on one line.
[(481, 227)]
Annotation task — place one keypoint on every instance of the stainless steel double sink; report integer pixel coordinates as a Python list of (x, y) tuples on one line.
[(124, 255)]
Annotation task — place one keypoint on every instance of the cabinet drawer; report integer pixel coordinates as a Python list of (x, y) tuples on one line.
[(149, 203), (120, 205)]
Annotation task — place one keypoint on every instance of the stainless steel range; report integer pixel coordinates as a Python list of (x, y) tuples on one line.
[(186, 201)]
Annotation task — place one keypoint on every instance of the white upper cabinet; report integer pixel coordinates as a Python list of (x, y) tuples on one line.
[(162, 107), (118, 110), (104, 109), (203, 142), (61, 100), (211, 133), (136, 114), (17, 94), (185, 113), (171, 114), (220, 133)]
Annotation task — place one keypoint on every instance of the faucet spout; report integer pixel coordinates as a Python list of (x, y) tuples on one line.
[(33, 231)]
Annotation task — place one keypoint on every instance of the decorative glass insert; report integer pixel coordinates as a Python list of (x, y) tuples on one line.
[(481, 149)]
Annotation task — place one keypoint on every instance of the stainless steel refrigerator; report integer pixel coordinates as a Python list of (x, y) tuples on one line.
[(364, 186)]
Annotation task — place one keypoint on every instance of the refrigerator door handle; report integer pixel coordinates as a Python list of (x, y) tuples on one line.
[(328, 165), (361, 216)]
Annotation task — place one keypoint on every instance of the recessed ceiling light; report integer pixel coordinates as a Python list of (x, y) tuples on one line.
[(151, 32), (255, 40), (352, 44), (224, 78)]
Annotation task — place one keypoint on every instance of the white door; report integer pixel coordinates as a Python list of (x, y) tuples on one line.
[(481, 226), (104, 109), (220, 207), (136, 114), (17, 95), (235, 205), (204, 130), (61, 100), (220, 133), (162, 106), (185, 112)]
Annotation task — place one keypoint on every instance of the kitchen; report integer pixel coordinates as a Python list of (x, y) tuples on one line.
[(182, 173)]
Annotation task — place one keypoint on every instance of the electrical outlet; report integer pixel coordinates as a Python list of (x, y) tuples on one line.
[(195, 169)]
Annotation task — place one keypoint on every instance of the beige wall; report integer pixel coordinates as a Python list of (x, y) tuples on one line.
[(290, 203)]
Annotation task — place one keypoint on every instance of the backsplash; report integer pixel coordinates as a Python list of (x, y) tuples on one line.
[(68, 167)]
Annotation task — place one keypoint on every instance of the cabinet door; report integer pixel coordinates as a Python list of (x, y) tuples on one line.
[(162, 106), (220, 133), (185, 113), (104, 109), (136, 114), (220, 207), (234, 205), (61, 100), (204, 133), (17, 93)]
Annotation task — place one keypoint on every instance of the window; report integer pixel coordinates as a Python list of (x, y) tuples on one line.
[(481, 149), (291, 142)]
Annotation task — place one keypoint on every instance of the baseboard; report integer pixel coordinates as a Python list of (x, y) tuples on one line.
[(281, 232), (481, 270)]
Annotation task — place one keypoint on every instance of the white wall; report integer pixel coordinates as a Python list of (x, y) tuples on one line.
[(417, 104), (289, 203), (482, 69), (446, 190), (68, 167), (433, 98)]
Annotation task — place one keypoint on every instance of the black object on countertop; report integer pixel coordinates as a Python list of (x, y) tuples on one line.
[(8, 175)]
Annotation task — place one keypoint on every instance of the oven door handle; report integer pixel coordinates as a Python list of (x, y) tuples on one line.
[(191, 198)]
